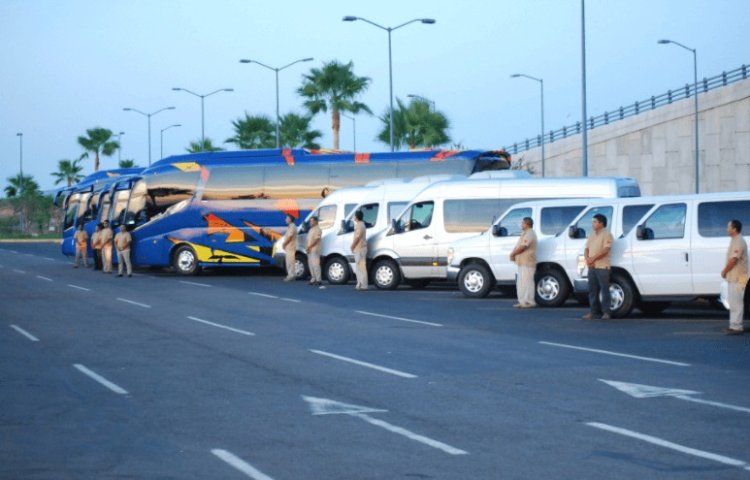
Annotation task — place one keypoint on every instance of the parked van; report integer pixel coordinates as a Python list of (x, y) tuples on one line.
[(675, 253), (415, 247), (481, 262)]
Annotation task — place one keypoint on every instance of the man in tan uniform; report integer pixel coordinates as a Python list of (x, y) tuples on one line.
[(313, 252), (96, 245), (105, 237), (122, 244), (597, 259), (735, 273), (82, 239), (524, 254), (359, 248), (290, 249)]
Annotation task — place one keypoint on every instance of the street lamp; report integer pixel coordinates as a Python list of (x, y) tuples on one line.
[(202, 97), (584, 133), (277, 70), (148, 115), (424, 99), (119, 145), (695, 102), (161, 139), (20, 146), (428, 21), (354, 131), (541, 86)]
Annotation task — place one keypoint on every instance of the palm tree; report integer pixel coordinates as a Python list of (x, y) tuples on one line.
[(69, 170), (334, 87), (205, 145), (21, 186), (415, 125), (295, 132), (98, 142), (128, 163), (256, 131)]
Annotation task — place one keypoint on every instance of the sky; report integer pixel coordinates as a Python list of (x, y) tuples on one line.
[(71, 65)]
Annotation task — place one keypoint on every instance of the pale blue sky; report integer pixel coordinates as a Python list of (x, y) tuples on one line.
[(69, 65)]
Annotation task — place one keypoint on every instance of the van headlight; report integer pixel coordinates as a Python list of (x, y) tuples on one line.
[(581, 265), (449, 256)]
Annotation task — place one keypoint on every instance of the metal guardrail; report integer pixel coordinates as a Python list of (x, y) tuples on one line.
[(718, 81)]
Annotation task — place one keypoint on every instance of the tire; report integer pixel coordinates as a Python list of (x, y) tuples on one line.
[(301, 269), (337, 271), (475, 280), (185, 261), (552, 288), (622, 293), (386, 275), (653, 308)]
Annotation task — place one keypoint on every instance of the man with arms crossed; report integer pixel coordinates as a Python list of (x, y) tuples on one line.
[(735, 273), (313, 252), (597, 259), (359, 248), (524, 254), (290, 248), (122, 244)]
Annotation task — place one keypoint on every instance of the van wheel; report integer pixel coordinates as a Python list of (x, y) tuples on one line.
[(385, 275), (552, 289), (653, 308), (475, 281), (185, 261), (337, 271), (301, 269), (622, 294)]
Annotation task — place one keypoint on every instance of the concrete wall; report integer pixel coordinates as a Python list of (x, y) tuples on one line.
[(657, 147)]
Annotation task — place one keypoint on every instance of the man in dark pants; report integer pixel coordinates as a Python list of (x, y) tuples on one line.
[(597, 250)]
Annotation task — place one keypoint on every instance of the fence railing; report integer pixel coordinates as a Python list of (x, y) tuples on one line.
[(722, 80)]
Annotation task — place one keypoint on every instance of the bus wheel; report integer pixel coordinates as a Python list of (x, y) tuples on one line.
[(385, 275), (337, 271), (185, 261), (475, 281), (551, 288), (301, 270), (622, 295)]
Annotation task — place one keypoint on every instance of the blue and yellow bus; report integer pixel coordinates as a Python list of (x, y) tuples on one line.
[(221, 209)]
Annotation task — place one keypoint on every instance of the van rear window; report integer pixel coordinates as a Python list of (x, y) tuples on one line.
[(470, 215)]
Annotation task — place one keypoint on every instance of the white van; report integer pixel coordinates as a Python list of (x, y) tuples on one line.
[(415, 247), (675, 253), (481, 262)]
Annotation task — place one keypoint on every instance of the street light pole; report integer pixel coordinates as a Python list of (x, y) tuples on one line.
[(148, 115), (541, 87), (695, 106), (161, 139), (584, 136), (119, 146), (354, 131), (428, 21), (202, 97), (277, 70), (20, 147), (424, 99)]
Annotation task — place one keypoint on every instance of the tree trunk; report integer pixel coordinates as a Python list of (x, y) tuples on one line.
[(336, 120), (96, 162)]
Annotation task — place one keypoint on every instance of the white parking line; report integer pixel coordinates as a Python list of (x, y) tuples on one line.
[(293, 300), (13, 251), (398, 373), (262, 295), (401, 319), (95, 376), (44, 278), (24, 333), (79, 288), (673, 446), (49, 259), (194, 283), (19, 271), (218, 325), (617, 354), (240, 464), (133, 303)]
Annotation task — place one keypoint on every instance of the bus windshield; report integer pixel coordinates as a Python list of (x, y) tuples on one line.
[(71, 210), (152, 196)]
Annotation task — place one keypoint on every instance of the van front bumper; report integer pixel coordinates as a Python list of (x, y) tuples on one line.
[(452, 273), (581, 285)]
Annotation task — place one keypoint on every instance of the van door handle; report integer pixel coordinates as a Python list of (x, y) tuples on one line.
[(427, 237), (686, 256)]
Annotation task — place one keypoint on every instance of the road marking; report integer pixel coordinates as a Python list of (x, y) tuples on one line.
[(13, 251), (24, 333), (399, 318), (133, 303), (49, 259), (398, 373), (44, 278), (262, 295), (194, 283), (18, 271), (324, 406), (79, 288), (218, 325), (673, 446), (240, 464), (290, 300), (95, 376), (638, 390), (29, 255), (617, 354)]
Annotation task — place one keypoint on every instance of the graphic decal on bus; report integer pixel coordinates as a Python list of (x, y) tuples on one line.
[(215, 255)]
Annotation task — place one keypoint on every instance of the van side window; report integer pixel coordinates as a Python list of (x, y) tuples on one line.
[(512, 221), (417, 217), (714, 216), (348, 208), (668, 221), (554, 219), (394, 208), (584, 223), (370, 214), (631, 214), (470, 215), (326, 216)]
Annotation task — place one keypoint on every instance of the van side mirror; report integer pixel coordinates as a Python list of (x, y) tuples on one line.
[(576, 232), (498, 231), (394, 227), (642, 232)]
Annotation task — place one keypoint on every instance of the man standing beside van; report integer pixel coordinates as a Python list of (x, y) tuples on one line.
[(313, 251), (290, 248), (735, 273), (596, 253), (524, 254), (359, 248)]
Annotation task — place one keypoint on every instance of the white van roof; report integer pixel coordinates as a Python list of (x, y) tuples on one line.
[(500, 174)]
